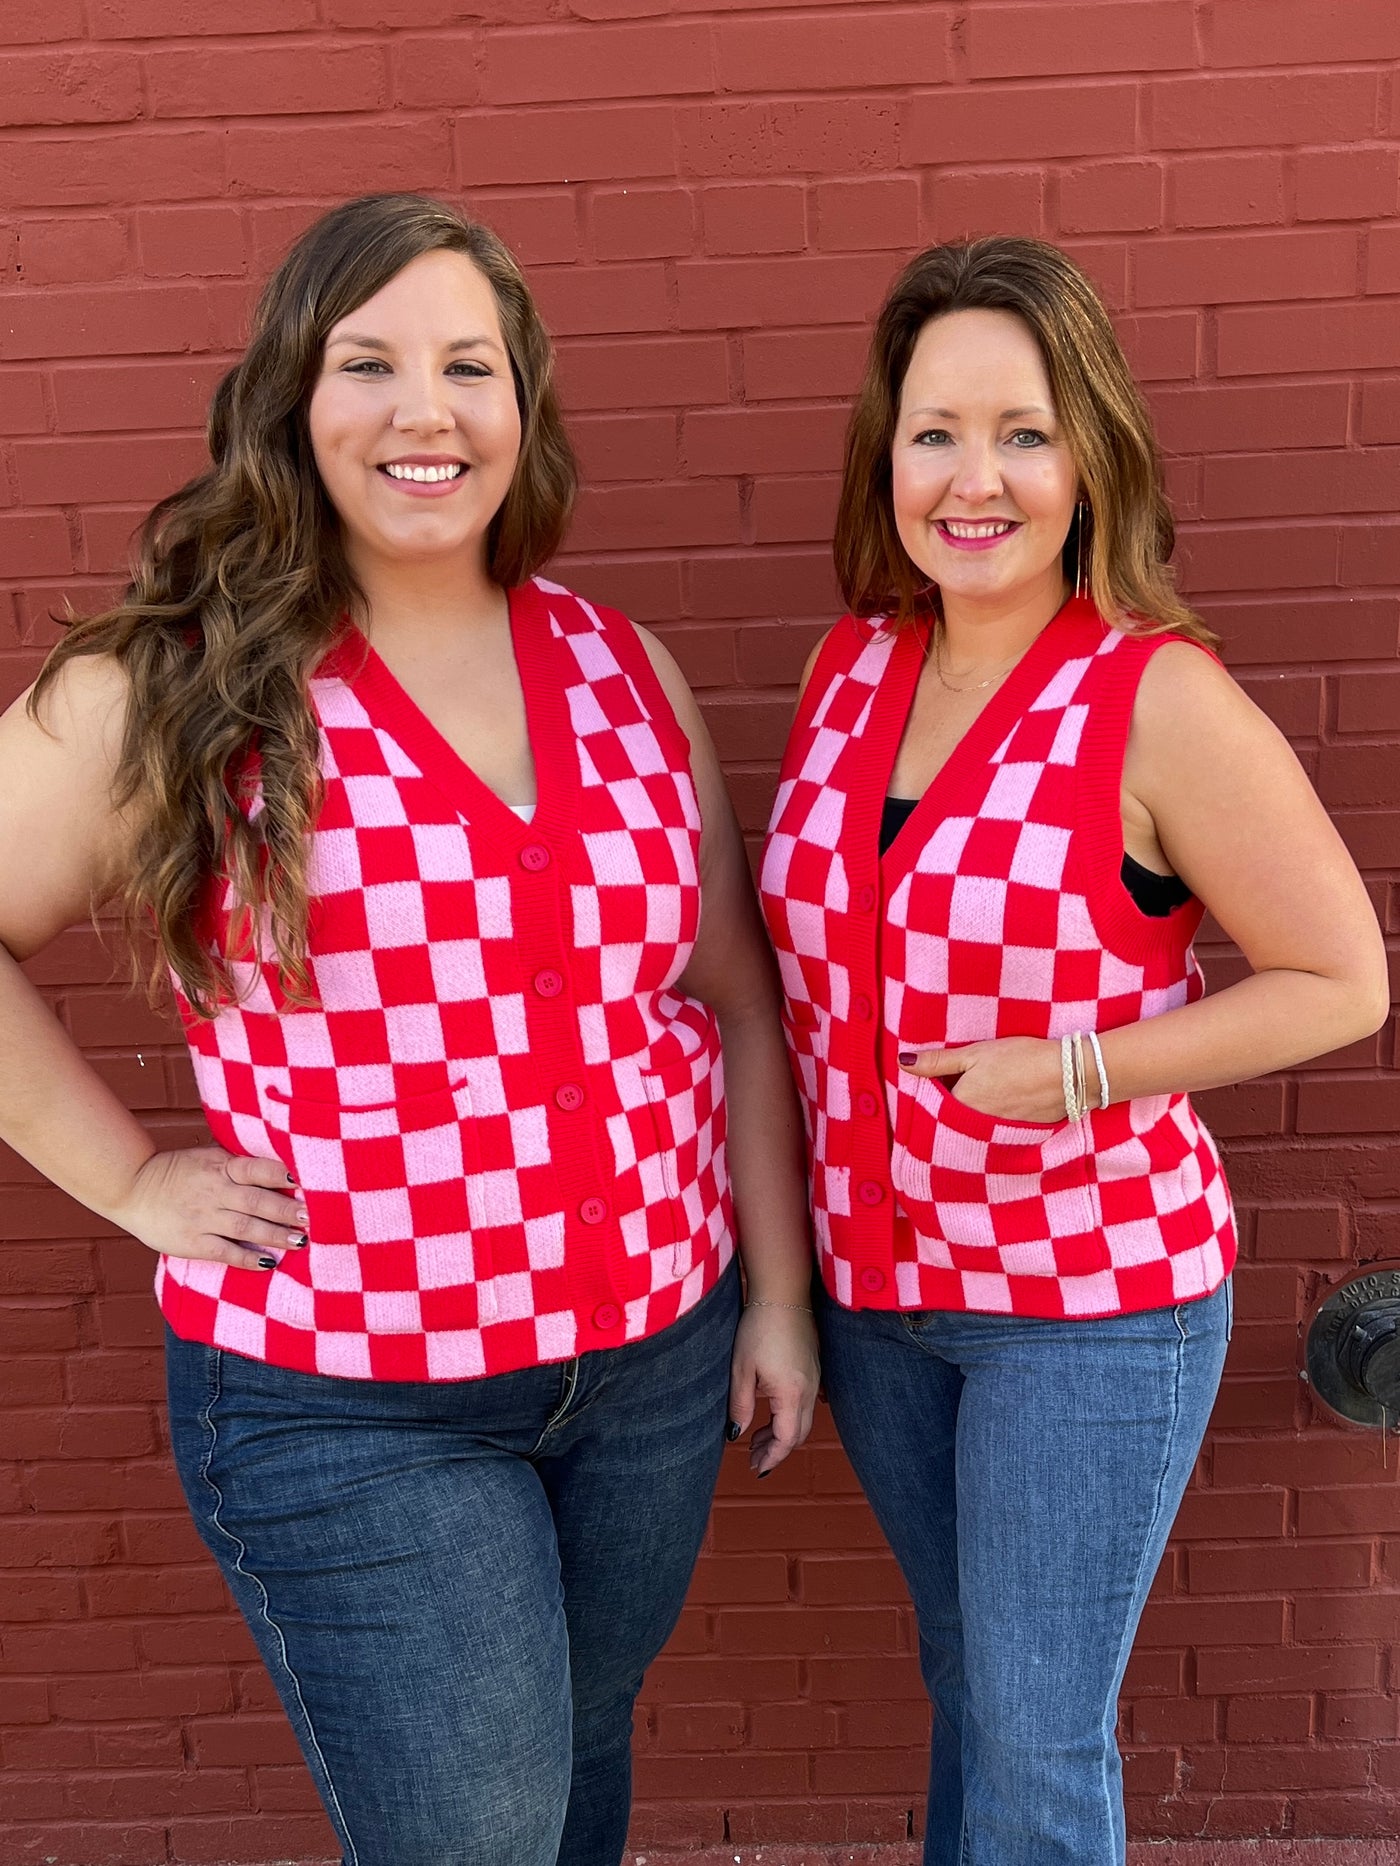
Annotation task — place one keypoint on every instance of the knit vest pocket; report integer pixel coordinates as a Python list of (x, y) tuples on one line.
[(402, 1177), (974, 1183)]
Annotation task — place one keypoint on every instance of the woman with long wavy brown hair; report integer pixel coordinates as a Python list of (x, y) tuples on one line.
[(1016, 780), (423, 841)]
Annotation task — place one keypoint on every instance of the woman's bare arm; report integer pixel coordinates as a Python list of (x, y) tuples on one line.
[(63, 851), (1230, 807), (1238, 820), (732, 969)]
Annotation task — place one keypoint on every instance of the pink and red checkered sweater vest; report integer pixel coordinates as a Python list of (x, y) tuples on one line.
[(506, 1122), (997, 911)]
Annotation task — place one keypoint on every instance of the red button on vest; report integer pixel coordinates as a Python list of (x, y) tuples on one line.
[(569, 1096), (866, 1103), (870, 1192), (549, 983), (535, 857), (607, 1315), (872, 1280), (864, 900), (593, 1211), (862, 1008)]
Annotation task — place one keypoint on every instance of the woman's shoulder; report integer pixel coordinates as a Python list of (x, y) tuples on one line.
[(82, 701)]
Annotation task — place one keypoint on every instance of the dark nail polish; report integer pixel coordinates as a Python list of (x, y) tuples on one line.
[(298, 1240), (267, 1263), (291, 1179), (908, 1056), (732, 1431), (762, 1474)]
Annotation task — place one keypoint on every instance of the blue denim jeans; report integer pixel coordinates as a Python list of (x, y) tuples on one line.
[(457, 1587), (1026, 1474)]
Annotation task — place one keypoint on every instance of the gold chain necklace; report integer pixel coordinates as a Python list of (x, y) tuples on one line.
[(978, 685)]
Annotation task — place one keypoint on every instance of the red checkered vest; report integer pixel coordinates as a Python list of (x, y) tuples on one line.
[(506, 1122), (997, 911)]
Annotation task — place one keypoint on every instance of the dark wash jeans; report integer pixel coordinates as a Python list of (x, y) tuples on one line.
[(1026, 1474), (457, 1587)]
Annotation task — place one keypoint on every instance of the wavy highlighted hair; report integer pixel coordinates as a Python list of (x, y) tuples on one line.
[(239, 585), (1130, 532)]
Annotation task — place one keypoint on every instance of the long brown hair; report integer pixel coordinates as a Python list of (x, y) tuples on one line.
[(1129, 532), (240, 584)]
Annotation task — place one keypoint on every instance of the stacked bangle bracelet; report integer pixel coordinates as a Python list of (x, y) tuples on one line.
[(1075, 1076)]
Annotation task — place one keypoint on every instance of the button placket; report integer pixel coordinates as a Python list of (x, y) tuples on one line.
[(577, 1150), (864, 1043)]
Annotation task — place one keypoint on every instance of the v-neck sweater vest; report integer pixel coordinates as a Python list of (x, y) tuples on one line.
[(998, 910), (506, 1123)]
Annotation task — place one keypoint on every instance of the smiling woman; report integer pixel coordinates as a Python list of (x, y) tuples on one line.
[(439, 859), (1014, 784)]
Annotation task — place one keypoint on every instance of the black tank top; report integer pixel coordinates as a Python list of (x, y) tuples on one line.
[(1154, 894)]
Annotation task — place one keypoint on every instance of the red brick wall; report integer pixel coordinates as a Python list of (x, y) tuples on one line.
[(710, 196)]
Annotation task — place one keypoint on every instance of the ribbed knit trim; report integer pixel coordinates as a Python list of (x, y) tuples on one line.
[(1074, 629), (547, 725)]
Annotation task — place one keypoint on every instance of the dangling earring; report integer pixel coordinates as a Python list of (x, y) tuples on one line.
[(1081, 574)]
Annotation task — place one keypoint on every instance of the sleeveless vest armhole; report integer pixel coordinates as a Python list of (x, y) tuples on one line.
[(839, 650), (1098, 834), (634, 660)]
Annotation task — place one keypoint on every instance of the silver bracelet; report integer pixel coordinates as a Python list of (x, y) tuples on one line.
[(1073, 1110), (759, 1302), (1103, 1073)]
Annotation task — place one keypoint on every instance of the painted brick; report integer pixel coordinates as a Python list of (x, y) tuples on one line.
[(579, 302), (626, 447), (852, 216), (540, 229), (271, 80), (139, 165), (1347, 184), (1301, 338), (70, 87), (72, 251), (648, 60), (788, 137), (1383, 260), (1223, 417), (1161, 346), (1379, 418), (1111, 197), (1246, 111), (796, 364), (733, 294), (565, 145), (1246, 267), (183, 242), (379, 155), (762, 441), (670, 372), (1032, 41), (1025, 124), (767, 217), (965, 203), (165, 19), (1228, 191), (437, 71), (642, 223), (1294, 32), (868, 46)]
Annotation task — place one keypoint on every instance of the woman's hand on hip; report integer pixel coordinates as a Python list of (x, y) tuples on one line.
[(775, 1358), (1011, 1078), (224, 1207)]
